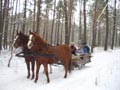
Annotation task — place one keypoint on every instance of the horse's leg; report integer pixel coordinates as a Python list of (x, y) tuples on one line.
[(65, 73), (50, 68), (46, 71), (28, 67), (70, 64), (33, 65), (66, 69), (37, 71), (67, 66)]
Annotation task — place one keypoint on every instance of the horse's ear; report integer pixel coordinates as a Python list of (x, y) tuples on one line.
[(30, 32), (17, 32), (20, 32)]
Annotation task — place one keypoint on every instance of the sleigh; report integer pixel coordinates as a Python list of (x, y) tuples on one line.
[(80, 61)]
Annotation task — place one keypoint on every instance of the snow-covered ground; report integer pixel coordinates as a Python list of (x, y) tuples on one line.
[(103, 73)]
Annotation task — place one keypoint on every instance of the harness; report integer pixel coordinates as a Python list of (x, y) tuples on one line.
[(28, 53), (43, 51)]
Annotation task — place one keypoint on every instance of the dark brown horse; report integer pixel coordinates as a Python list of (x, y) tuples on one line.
[(50, 54), (21, 40)]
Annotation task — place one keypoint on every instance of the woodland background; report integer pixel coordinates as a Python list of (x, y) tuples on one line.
[(62, 21)]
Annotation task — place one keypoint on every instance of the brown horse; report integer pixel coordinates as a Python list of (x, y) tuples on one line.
[(21, 41), (50, 54)]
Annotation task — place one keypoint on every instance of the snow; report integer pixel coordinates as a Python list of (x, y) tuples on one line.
[(103, 73)]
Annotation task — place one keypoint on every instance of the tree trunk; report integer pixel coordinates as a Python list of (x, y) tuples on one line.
[(55, 38), (44, 30), (94, 28), (61, 35), (73, 32), (119, 39), (38, 15), (1, 23), (107, 28), (58, 31), (66, 23), (46, 20), (34, 15), (14, 24), (53, 22), (6, 24), (80, 20), (99, 35), (70, 17), (114, 27), (24, 16), (84, 9)]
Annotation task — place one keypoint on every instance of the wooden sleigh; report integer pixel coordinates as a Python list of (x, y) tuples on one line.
[(80, 61)]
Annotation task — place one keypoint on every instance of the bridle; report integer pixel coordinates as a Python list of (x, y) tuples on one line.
[(42, 47)]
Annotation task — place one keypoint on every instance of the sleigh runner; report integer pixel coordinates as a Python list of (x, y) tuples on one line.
[(80, 61)]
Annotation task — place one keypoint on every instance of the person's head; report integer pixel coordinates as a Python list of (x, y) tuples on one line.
[(80, 46), (72, 44)]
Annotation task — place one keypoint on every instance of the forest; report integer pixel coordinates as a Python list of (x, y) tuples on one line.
[(62, 21), (25, 60)]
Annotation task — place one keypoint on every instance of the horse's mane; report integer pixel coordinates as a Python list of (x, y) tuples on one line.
[(38, 38), (25, 37)]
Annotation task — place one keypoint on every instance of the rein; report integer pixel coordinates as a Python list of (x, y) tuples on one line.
[(45, 48), (28, 53)]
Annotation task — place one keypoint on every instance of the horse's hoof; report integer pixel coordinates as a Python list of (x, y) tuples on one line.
[(32, 78), (35, 81), (8, 65), (65, 76), (28, 77), (48, 81), (50, 72)]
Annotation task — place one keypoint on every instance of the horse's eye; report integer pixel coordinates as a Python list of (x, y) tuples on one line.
[(33, 39), (22, 38)]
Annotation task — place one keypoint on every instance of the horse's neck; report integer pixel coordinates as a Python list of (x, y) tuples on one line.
[(42, 42), (40, 46), (24, 47), (24, 44), (26, 50), (26, 39)]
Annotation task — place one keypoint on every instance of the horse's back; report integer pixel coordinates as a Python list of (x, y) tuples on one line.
[(63, 51)]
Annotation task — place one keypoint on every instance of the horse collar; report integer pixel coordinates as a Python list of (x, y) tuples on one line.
[(44, 47)]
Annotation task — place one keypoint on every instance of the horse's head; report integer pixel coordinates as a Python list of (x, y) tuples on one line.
[(35, 39), (31, 40), (20, 40)]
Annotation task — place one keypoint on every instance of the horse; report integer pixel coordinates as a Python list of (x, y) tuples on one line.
[(51, 54), (21, 41)]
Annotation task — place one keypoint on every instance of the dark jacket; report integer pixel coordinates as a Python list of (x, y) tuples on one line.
[(86, 49), (73, 50)]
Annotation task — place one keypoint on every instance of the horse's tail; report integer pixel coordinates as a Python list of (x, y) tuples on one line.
[(70, 63)]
